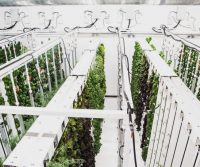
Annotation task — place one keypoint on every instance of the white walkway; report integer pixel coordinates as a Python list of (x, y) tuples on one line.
[(108, 156)]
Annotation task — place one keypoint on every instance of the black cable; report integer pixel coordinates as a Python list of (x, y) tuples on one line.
[(134, 150), (67, 29), (119, 126), (129, 23), (48, 25), (129, 108), (109, 28), (8, 28), (163, 27), (36, 28), (30, 29), (120, 152), (181, 40), (65, 50)]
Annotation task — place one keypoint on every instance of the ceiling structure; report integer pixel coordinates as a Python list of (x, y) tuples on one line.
[(95, 2)]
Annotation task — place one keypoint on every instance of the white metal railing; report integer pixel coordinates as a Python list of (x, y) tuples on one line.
[(12, 48), (175, 132), (70, 90), (184, 57), (55, 55)]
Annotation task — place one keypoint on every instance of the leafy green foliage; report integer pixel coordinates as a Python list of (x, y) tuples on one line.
[(1, 162), (140, 69), (51, 68), (148, 39), (152, 92), (188, 68), (21, 86), (144, 93), (66, 163), (161, 54), (13, 142), (9, 51), (77, 143), (184, 61)]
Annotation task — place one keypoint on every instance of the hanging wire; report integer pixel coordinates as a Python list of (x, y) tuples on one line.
[(67, 55), (166, 31), (11, 27), (122, 146), (37, 28), (129, 108), (67, 29)]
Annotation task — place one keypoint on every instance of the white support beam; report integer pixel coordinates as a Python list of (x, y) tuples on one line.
[(39, 139), (78, 113)]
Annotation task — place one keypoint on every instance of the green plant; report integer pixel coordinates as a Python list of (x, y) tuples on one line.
[(1, 162), (13, 142), (161, 54), (169, 62), (2, 56), (151, 105), (77, 142), (144, 91), (51, 68), (148, 39), (140, 68)]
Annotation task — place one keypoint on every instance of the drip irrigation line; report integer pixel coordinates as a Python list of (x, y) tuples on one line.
[(67, 29)]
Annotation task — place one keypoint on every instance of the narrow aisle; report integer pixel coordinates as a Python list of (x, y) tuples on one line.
[(108, 156)]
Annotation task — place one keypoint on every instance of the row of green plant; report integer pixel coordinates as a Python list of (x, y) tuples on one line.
[(144, 89), (151, 97), (10, 50), (38, 81), (188, 66), (78, 144), (140, 69)]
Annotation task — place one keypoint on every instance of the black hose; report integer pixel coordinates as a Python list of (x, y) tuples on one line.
[(30, 29), (8, 28), (36, 28), (129, 108), (120, 152), (129, 23), (110, 29), (65, 50), (48, 25), (67, 29)]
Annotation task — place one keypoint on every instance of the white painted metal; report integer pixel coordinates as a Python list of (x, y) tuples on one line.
[(48, 125), (170, 139), (67, 112)]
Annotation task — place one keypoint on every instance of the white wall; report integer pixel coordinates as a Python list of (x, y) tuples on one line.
[(143, 17)]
